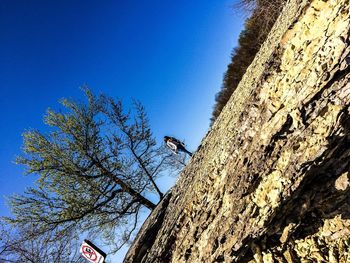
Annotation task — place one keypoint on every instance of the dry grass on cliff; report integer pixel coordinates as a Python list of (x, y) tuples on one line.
[(263, 15)]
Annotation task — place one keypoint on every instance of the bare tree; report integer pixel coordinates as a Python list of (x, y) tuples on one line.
[(97, 168), (263, 14), (27, 245)]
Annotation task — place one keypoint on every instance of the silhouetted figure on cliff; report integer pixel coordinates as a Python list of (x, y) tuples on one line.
[(175, 145)]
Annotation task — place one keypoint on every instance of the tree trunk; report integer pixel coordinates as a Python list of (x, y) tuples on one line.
[(126, 188), (270, 181)]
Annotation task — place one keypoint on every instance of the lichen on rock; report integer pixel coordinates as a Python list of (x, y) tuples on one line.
[(270, 180)]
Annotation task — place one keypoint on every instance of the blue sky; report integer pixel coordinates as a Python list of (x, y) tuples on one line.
[(170, 55)]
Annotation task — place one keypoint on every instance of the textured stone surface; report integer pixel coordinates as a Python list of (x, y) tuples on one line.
[(270, 180)]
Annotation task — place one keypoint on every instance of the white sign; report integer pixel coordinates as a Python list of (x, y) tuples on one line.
[(91, 252)]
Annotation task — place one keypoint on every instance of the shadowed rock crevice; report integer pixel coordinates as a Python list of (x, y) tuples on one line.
[(316, 200), (144, 240)]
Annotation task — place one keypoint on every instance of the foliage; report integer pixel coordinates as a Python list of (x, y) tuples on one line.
[(97, 169), (257, 27)]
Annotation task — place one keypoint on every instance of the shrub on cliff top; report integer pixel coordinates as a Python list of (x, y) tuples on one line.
[(263, 15)]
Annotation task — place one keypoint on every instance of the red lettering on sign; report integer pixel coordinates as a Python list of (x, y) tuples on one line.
[(89, 253)]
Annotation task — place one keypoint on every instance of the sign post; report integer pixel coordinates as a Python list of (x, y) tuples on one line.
[(92, 253)]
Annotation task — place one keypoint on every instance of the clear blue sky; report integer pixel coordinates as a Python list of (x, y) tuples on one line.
[(170, 55)]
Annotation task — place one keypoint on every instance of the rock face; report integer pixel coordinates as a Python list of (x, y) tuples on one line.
[(270, 181)]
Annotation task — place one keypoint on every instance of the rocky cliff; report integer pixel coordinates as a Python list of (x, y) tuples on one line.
[(270, 181)]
